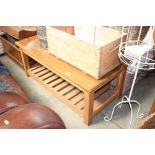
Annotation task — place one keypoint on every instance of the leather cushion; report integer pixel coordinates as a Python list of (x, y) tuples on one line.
[(31, 116), (10, 100)]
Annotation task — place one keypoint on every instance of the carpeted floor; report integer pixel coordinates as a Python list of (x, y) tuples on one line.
[(144, 92)]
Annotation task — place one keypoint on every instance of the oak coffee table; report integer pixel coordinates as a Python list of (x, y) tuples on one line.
[(82, 93)]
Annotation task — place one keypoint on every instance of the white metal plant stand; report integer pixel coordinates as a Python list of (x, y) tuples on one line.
[(134, 53)]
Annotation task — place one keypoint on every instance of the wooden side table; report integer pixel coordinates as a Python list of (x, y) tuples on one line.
[(81, 92), (14, 33)]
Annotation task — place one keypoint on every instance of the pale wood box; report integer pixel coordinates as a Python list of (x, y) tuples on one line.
[(94, 59)]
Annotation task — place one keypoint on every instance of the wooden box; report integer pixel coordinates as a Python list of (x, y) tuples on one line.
[(19, 32), (93, 59), (68, 29)]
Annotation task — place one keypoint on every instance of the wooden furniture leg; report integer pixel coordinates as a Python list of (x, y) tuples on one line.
[(25, 62), (120, 82), (152, 108), (88, 107)]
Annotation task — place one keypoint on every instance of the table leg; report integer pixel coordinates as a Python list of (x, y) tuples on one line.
[(120, 82), (152, 108), (25, 62), (88, 107)]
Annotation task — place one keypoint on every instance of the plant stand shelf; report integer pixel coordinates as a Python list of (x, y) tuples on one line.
[(81, 92)]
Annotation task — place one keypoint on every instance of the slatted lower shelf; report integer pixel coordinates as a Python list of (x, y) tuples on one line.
[(67, 92)]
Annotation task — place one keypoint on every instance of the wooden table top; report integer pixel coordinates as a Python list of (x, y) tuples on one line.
[(31, 47)]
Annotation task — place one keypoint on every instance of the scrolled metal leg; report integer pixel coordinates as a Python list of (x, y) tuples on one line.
[(141, 115), (125, 100), (107, 118)]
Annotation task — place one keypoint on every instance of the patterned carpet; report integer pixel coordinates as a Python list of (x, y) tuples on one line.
[(3, 69), (5, 84)]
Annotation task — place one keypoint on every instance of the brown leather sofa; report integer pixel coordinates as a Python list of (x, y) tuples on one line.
[(17, 111)]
